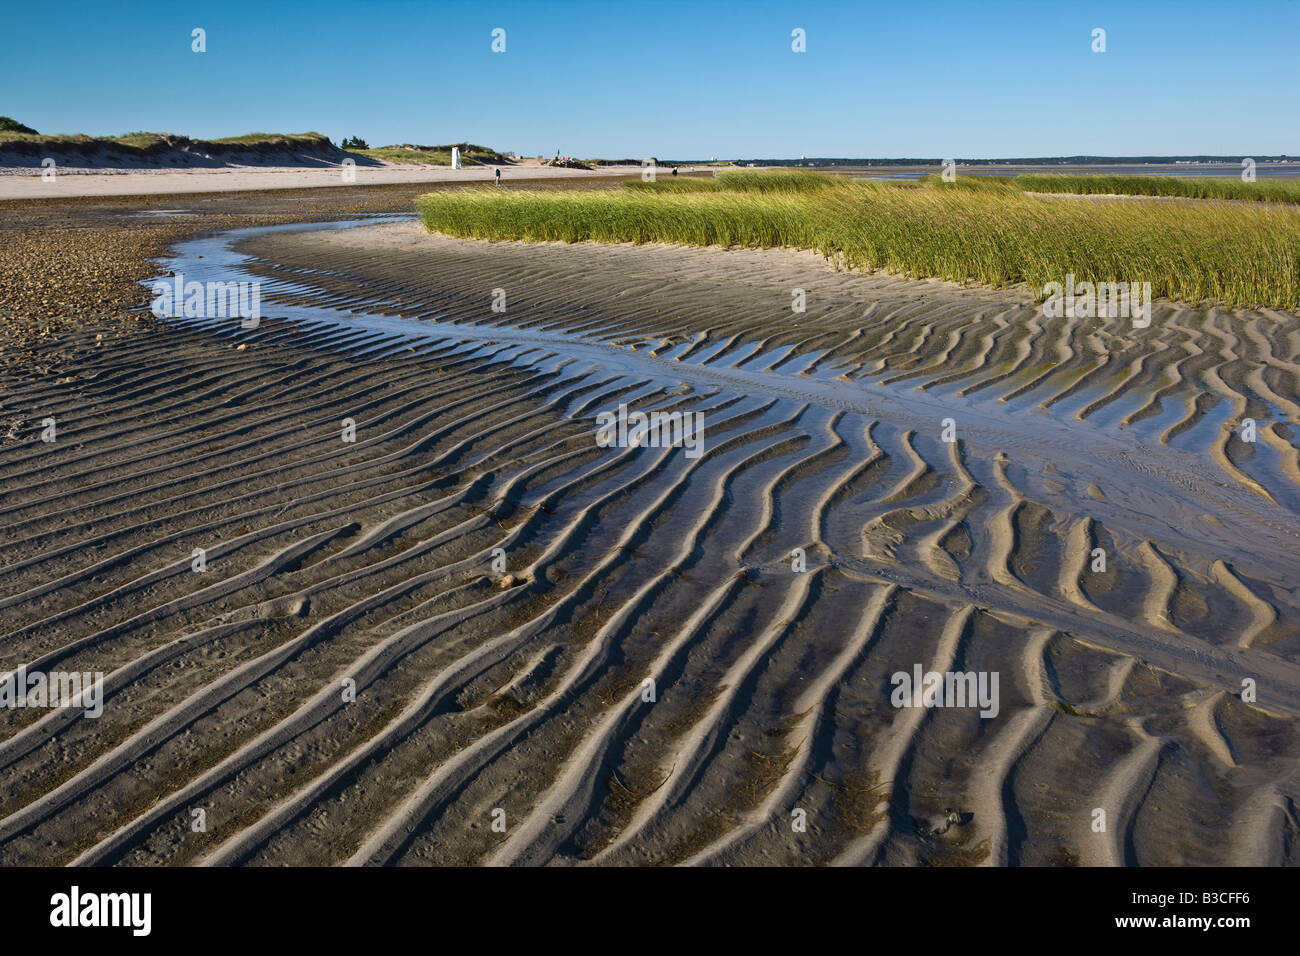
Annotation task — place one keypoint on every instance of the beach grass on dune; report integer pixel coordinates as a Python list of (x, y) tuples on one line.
[(143, 140), (1225, 253), (273, 139), (470, 155), (410, 157)]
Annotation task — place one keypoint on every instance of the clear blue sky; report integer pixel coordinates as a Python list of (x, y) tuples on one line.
[(673, 78)]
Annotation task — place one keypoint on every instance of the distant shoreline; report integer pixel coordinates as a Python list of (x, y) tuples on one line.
[(24, 184)]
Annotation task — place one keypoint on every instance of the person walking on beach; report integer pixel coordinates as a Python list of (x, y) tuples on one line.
[(498, 179)]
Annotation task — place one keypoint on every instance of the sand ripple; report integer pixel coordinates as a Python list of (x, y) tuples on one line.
[(372, 562)]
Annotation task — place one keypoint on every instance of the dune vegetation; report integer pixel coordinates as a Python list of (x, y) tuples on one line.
[(272, 139), (146, 140), (995, 234), (470, 155)]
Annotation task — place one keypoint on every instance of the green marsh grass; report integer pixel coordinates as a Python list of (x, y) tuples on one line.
[(1005, 184), (1287, 191), (1228, 253), (1277, 190), (773, 181), (676, 184)]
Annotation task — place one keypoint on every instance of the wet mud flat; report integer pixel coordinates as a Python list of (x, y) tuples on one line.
[(473, 635)]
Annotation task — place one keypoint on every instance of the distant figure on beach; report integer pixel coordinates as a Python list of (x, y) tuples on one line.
[(498, 179), (674, 170)]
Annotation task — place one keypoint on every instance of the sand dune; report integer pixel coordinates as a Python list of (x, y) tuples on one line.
[(371, 561)]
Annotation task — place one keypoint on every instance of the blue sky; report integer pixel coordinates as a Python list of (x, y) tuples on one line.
[(673, 78)]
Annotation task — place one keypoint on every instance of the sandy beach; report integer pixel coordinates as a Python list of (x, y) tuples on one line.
[(24, 183), (498, 588)]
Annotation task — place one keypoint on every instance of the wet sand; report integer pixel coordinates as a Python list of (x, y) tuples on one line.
[(66, 262), (523, 690)]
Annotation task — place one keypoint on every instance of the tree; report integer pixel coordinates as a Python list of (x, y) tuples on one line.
[(8, 125)]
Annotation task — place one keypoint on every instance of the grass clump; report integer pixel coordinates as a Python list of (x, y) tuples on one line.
[(1234, 254)]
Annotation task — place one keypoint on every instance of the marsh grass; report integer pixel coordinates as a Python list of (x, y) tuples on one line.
[(675, 184), (766, 182), (1229, 253), (984, 184), (1286, 191)]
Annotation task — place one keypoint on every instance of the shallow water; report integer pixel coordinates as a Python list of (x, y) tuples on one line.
[(1016, 423)]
